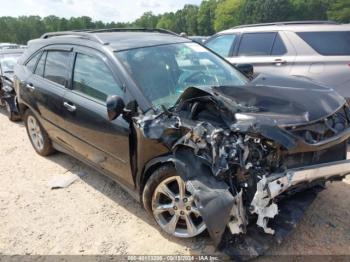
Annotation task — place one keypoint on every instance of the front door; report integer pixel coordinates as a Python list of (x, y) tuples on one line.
[(104, 143)]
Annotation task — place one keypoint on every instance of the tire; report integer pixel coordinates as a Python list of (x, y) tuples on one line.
[(12, 116), (180, 207), (37, 135), (160, 174)]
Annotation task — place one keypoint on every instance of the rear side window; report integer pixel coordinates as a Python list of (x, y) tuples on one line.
[(56, 66), (278, 47), (328, 43), (32, 62), (39, 70), (222, 44), (93, 78), (256, 44)]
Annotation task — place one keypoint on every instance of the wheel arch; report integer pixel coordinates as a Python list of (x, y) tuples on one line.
[(22, 108), (150, 167)]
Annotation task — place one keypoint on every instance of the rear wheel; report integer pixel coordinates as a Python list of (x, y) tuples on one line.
[(37, 135), (165, 197)]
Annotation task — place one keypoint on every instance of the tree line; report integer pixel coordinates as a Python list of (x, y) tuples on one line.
[(209, 17)]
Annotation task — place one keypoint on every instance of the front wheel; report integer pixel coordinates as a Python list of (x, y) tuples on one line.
[(12, 116), (165, 197), (37, 135)]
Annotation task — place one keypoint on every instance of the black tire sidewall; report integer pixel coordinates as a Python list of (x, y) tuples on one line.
[(48, 149), (12, 116), (160, 174)]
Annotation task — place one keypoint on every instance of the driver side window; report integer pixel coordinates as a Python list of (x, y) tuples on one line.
[(222, 44), (92, 77)]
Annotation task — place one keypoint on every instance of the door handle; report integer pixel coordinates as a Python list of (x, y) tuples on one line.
[(30, 87), (279, 62), (70, 108)]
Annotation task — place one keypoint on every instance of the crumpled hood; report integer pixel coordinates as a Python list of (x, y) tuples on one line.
[(282, 100)]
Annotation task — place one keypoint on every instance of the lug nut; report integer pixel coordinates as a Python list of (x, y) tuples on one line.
[(185, 200), (175, 208), (182, 213), (188, 208)]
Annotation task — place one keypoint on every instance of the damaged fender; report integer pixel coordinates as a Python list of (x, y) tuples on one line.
[(212, 197)]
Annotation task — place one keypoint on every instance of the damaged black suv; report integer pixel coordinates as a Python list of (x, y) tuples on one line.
[(197, 142)]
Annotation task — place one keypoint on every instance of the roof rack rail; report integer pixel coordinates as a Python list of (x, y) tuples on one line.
[(83, 34), (91, 34), (311, 22), (107, 30)]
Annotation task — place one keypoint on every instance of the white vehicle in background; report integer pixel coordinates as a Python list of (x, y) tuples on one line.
[(8, 46), (318, 50)]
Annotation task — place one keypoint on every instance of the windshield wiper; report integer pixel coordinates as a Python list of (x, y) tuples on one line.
[(165, 110)]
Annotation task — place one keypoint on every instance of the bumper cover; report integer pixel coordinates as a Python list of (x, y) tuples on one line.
[(280, 183), (272, 186)]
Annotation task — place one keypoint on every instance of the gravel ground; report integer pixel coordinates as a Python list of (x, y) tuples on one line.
[(95, 216)]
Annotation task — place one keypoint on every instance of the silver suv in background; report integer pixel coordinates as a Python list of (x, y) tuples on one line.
[(318, 50)]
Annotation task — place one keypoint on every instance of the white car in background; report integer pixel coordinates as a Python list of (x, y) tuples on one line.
[(318, 50)]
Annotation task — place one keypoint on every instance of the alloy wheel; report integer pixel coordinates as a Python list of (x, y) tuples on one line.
[(174, 209), (35, 133)]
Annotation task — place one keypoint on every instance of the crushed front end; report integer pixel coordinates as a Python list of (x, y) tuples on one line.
[(253, 157)]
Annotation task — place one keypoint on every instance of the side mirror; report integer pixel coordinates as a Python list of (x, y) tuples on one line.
[(115, 106), (246, 69)]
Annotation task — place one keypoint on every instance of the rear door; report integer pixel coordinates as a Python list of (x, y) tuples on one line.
[(44, 88), (267, 51), (89, 132), (325, 57)]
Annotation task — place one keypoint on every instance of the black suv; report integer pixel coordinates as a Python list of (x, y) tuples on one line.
[(197, 142)]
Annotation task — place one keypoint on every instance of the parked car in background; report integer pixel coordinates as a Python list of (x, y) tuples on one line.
[(9, 46), (199, 39), (8, 59), (199, 144), (318, 50)]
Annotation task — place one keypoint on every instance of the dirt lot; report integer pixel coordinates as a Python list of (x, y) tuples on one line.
[(95, 216)]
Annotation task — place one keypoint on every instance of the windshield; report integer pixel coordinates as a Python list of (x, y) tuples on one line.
[(8, 62), (164, 72)]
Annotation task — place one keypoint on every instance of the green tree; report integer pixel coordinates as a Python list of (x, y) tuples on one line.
[(189, 13), (147, 20), (310, 10), (167, 21), (52, 23), (206, 16), (339, 10), (227, 14), (262, 11)]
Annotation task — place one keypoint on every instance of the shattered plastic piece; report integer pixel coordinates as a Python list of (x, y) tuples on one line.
[(238, 219), (255, 242), (263, 206)]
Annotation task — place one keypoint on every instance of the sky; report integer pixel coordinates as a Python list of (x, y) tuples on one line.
[(105, 10)]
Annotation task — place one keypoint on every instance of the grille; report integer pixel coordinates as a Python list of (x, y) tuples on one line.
[(335, 153), (326, 128)]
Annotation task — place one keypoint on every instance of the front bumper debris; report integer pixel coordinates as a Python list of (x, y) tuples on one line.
[(255, 242), (274, 185)]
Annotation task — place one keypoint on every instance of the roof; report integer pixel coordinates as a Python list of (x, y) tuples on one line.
[(297, 26), (119, 39)]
